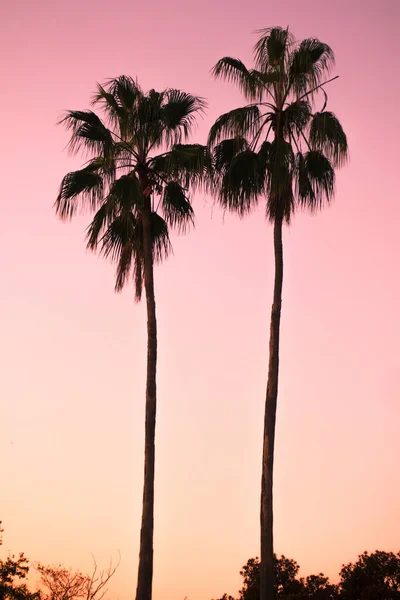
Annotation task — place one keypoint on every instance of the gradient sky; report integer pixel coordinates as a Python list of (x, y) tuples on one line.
[(73, 353)]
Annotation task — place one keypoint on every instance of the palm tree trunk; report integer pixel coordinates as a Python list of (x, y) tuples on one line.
[(145, 572), (267, 576)]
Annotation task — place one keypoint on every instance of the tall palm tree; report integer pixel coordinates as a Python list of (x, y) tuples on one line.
[(277, 147), (136, 183)]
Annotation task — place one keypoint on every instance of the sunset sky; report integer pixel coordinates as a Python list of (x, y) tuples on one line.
[(73, 353)]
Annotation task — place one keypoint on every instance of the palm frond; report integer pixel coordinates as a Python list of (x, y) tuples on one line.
[(296, 115), (127, 232), (120, 98), (191, 163), (88, 132), (101, 220), (138, 275), (240, 122), (126, 258), (309, 63), (147, 122), (123, 243), (126, 91), (225, 151), (315, 179), (266, 78), (280, 161), (79, 189), (149, 110), (271, 47), (104, 165), (160, 237), (125, 151), (304, 189), (108, 103), (264, 154), (281, 205), (179, 113), (281, 156), (126, 193), (319, 53), (241, 183), (234, 70), (327, 135), (123, 229), (177, 210)]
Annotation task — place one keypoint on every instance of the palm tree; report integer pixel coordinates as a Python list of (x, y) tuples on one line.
[(277, 147), (136, 195)]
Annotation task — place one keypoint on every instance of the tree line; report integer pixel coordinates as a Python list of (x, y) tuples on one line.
[(282, 147), (373, 576)]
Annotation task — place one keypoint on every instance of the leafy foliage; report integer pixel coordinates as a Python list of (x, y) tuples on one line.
[(13, 571), (374, 576), (288, 586)]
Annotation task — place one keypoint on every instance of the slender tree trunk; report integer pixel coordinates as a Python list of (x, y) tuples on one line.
[(267, 577), (145, 572)]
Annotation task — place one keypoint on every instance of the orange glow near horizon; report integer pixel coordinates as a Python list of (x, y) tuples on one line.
[(73, 353)]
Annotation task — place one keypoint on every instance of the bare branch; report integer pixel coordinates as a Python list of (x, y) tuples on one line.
[(59, 583)]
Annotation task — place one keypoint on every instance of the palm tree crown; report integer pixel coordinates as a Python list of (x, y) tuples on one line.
[(125, 173), (277, 145)]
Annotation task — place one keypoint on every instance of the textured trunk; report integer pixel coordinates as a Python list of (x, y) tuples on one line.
[(145, 573), (267, 578)]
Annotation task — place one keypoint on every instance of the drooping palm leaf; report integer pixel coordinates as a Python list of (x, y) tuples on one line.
[(309, 63), (126, 258), (296, 115), (122, 242), (242, 121), (79, 189), (242, 182), (177, 210), (234, 70), (102, 219), (124, 228), (88, 133), (192, 162), (108, 103), (327, 135), (126, 193), (321, 176), (304, 189), (280, 163), (161, 242), (225, 151)]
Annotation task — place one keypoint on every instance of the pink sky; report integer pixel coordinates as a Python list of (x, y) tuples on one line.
[(73, 353)]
